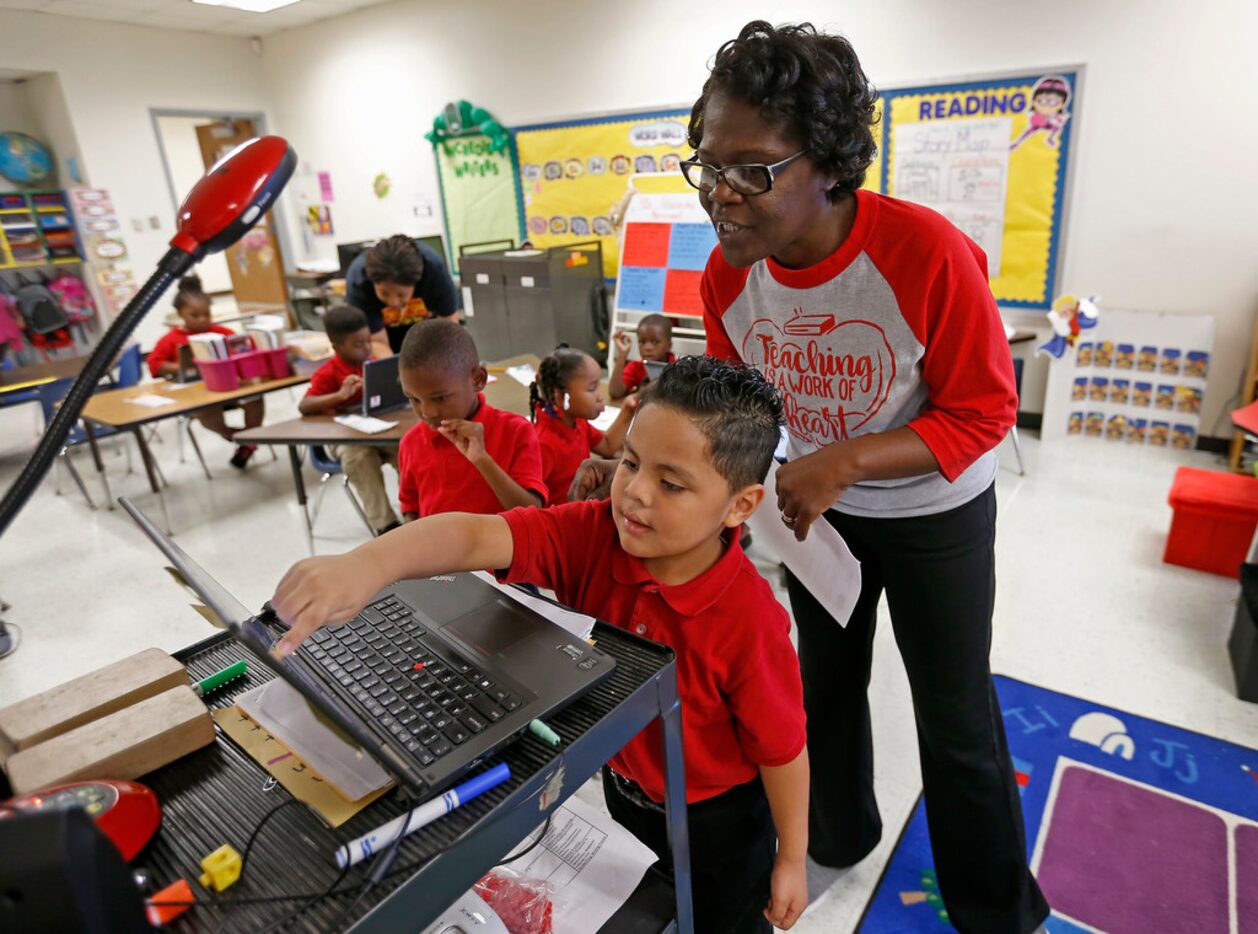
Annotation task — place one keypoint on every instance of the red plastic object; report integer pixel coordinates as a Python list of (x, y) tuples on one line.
[(126, 812), (1215, 517), (219, 375), (277, 362), (251, 365), (170, 903)]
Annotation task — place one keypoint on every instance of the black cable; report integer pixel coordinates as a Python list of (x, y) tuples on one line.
[(174, 264), (532, 846)]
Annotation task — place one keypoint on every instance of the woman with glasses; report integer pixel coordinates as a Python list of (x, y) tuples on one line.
[(874, 318)]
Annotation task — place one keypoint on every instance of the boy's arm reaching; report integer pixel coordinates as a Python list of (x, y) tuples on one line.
[(787, 789), (329, 590), (318, 405)]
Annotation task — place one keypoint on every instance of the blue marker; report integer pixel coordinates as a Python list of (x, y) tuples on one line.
[(356, 851)]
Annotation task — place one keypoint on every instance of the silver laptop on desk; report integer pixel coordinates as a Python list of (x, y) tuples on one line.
[(382, 390), (431, 678)]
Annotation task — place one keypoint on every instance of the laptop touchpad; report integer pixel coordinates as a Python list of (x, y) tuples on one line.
[(494, 628)]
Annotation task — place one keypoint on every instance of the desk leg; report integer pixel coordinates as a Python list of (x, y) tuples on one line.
[(299, 486), (100, 464), (675, 802), (150, 467)]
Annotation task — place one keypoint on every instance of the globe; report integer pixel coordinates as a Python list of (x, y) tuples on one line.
[(24, 160)]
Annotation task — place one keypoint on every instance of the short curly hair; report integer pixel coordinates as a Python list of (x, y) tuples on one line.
[(809, 82), (395, 259)]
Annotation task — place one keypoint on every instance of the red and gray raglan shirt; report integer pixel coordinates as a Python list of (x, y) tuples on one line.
[(897, 327)]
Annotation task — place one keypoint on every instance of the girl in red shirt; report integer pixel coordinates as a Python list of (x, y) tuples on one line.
[(563, 398), (193, 306)]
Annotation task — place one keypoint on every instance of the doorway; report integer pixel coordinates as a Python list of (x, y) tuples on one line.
[(253, 268)]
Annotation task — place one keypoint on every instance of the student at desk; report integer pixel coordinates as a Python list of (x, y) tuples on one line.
[(397, 282), (338, 386), (193, 306), (661, 558)]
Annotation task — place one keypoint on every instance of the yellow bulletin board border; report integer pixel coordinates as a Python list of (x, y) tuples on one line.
[(584, 138), (1035, 249)]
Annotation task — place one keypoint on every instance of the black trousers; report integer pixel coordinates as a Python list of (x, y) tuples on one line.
[(939, 576), (732, 849)]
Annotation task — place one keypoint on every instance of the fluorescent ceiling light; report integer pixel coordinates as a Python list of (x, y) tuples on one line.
[(249, 6)]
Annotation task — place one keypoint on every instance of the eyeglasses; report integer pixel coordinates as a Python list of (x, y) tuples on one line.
[(743, 179)]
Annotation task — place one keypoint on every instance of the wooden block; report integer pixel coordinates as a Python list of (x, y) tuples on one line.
[(94, 695), (128, 743)]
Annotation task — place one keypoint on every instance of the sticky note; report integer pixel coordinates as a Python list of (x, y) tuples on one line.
[(641, 289), (646, 245), (690, 245), (681, 292)]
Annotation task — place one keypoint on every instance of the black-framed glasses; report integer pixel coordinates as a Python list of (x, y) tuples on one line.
[(753, 179)]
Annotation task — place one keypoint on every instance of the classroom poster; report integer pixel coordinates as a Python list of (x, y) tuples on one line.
[(572, 174), (477, 193), (991, 155)]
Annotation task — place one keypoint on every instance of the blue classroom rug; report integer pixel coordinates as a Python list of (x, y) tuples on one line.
[(1133, 826)]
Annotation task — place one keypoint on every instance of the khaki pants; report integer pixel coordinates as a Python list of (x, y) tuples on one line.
[(363, 464)]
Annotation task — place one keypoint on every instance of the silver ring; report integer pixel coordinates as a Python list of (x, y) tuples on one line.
[(789, 521)]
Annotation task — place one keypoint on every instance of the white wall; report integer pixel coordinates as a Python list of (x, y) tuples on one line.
[(1163, 205), (111, 75)]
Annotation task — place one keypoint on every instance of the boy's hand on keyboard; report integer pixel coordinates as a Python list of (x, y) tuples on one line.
[(353, 383), (468, 437), (788, 893), (321, 591)]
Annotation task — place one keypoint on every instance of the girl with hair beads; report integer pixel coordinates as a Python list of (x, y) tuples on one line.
[(193, 306), (563, 399)]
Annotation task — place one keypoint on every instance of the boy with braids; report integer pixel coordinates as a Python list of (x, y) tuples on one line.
[(464, 455), (563, 399), (660, 558)]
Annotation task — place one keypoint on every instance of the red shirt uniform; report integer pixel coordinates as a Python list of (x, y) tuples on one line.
[(737, 673), (634, 373), (563, 449), (329, 377), (435, 477), (166, 350)]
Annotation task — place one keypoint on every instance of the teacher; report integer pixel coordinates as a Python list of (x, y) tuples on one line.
[(874, 318), (395, 283)]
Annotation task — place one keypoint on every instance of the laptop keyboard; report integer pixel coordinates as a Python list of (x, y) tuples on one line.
[(429, 704)]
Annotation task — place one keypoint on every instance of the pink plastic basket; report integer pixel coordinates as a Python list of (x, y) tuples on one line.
[(277, 362), (219, 375), (252, 365)]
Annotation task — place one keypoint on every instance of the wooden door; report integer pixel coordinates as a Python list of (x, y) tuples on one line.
[(254, 262)]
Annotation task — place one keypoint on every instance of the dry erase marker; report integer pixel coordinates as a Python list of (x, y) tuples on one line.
[(356, 851)]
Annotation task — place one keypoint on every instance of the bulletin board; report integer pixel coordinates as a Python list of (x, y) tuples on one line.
[(993, 156), (572, 173), (478, 193)]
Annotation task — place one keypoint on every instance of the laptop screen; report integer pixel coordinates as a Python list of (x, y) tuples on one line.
[(381, 389)]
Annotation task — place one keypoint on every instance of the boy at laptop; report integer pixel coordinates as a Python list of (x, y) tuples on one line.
[(337, 386), (464, 455), (661, 558)]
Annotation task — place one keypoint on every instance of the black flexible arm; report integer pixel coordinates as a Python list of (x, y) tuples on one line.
[(174, 264)]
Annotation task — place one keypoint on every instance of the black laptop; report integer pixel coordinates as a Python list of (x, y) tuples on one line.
[(382, 390), (432, 677)]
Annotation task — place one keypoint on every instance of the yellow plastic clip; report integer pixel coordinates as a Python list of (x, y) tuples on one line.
[(222, 868)]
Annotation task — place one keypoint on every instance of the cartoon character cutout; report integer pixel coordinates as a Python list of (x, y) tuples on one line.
[(1046, 113), (1069, 316)]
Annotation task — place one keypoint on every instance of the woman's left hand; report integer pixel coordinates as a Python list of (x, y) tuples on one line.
[(810, 485)]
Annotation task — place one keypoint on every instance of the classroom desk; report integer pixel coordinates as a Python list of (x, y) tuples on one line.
[(26, 377), (114, 409), (296, 434), (218, 795)]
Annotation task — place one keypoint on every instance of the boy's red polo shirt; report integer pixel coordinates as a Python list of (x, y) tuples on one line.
[(563, 449), (634, 373), (737, 672), (329, 378), (435, 476)]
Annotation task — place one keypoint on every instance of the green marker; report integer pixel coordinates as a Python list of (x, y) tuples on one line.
[(544, 733), (217, 680)]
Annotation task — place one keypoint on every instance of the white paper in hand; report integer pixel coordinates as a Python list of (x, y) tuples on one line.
[(822, 561)]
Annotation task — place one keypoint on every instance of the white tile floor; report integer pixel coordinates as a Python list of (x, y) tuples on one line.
[(1085, 605)]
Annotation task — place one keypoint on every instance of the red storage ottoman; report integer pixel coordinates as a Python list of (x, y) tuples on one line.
[(1213, 525)]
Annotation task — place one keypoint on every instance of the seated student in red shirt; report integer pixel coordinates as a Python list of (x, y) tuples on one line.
[(563, 398), (661, 558), (655, 343), (464, 455), (193, 306), (338, 386)]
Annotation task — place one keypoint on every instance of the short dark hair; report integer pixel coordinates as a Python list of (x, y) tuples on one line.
[(190, 290), (341, 321), (736, 408), (394, 259), (553, 374), (809, 82), (659, 321), (439, 343)]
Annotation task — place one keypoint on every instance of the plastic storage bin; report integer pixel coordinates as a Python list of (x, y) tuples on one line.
[(1214, 521), (219, 375), (276, 362), (252, 365)]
